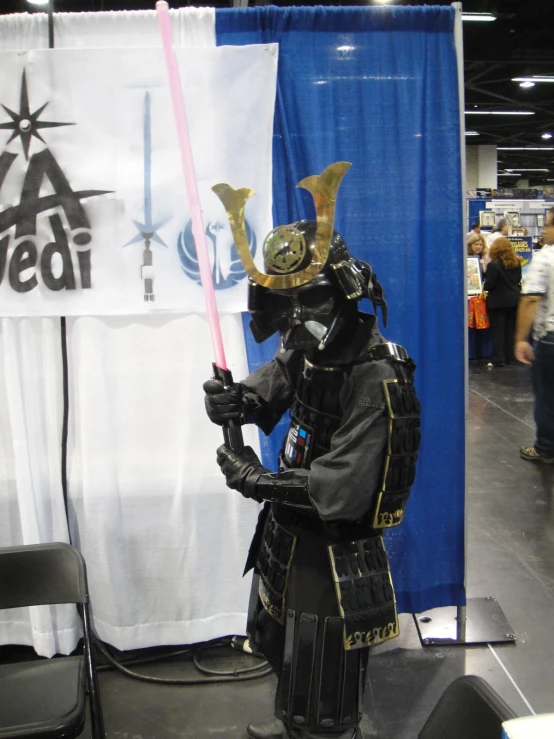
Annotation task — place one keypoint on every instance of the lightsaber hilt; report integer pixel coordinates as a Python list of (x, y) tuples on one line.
[(232, 431)]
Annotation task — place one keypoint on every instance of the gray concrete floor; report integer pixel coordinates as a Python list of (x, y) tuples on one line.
[(510, 556)]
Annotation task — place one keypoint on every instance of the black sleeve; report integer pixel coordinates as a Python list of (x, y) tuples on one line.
[(344, 482), (491, 277), (274, 389)]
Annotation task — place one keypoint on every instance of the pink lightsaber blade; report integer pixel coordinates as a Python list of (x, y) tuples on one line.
[(232, 433)]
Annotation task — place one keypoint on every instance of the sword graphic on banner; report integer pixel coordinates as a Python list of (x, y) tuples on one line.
[(147, 231), (232, 432)]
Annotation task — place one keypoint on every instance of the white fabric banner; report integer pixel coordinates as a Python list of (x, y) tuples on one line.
[(164, 538), (94, 217)]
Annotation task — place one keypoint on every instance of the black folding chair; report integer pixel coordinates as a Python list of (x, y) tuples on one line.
[(469, 707), (46, 699)]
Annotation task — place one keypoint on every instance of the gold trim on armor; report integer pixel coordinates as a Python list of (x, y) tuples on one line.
[(388, 518), (275, 612), (323, 369), (323, 188), (385, 470), (358, 639), (387, 396)]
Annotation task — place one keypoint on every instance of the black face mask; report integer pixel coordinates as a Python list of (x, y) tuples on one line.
[(307, 317)]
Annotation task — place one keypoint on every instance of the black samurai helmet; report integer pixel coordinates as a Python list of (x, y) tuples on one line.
[(312, 315)]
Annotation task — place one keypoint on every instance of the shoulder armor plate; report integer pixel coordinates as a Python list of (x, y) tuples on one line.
[(401, 452)]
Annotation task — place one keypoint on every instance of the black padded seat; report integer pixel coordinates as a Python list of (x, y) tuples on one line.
[(54, 698), (468, 709)]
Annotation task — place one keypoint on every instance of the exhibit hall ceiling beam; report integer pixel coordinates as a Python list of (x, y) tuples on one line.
[(486, 70), (512, 101)]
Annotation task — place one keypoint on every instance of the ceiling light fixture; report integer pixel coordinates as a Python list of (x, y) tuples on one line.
[(474, 133), (527, 170), (499, 112), (546, 136), (508, 174), (483, 17), (525, 148), (38, 2), (528, 83), (533, 79)]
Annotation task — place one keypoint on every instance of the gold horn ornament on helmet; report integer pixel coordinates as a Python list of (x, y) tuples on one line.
[(323, 188)]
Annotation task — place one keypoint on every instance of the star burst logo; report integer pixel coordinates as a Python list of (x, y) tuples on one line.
[(26, 124), (64, 262)]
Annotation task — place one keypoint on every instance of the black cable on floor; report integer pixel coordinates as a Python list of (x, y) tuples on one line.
[(145, 660), (218, 676), (207, 671)]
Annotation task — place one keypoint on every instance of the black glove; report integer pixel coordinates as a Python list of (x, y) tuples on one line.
[(241, 469), (223, 404)]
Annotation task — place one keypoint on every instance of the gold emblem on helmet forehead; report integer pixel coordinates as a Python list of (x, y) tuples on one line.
[(323, 188), (284, 249)]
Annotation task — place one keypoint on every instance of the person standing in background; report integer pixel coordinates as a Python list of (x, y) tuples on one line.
[(536, 311), (475, 229), (502, 283), (477, 247), (502, 228)]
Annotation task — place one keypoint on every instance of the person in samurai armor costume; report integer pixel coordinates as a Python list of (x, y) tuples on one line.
[(322, 592)]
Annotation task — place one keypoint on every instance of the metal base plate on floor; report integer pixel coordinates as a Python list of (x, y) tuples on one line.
[(484, 623)]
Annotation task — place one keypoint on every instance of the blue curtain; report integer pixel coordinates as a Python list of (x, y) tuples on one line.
[(378, 87)]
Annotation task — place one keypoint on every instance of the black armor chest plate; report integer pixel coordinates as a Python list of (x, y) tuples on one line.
[(315, 415)]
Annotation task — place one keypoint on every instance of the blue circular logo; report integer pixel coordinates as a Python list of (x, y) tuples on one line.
[(227, 268)]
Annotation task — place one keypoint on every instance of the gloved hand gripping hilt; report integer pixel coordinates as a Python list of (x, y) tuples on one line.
[(244, 472)]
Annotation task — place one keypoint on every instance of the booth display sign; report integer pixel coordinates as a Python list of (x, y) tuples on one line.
[(486, 218), (523, 246), (513, 217), (94, 217)]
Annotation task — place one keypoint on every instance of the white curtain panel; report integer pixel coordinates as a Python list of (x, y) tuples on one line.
[(31, 499), (164, 539)]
